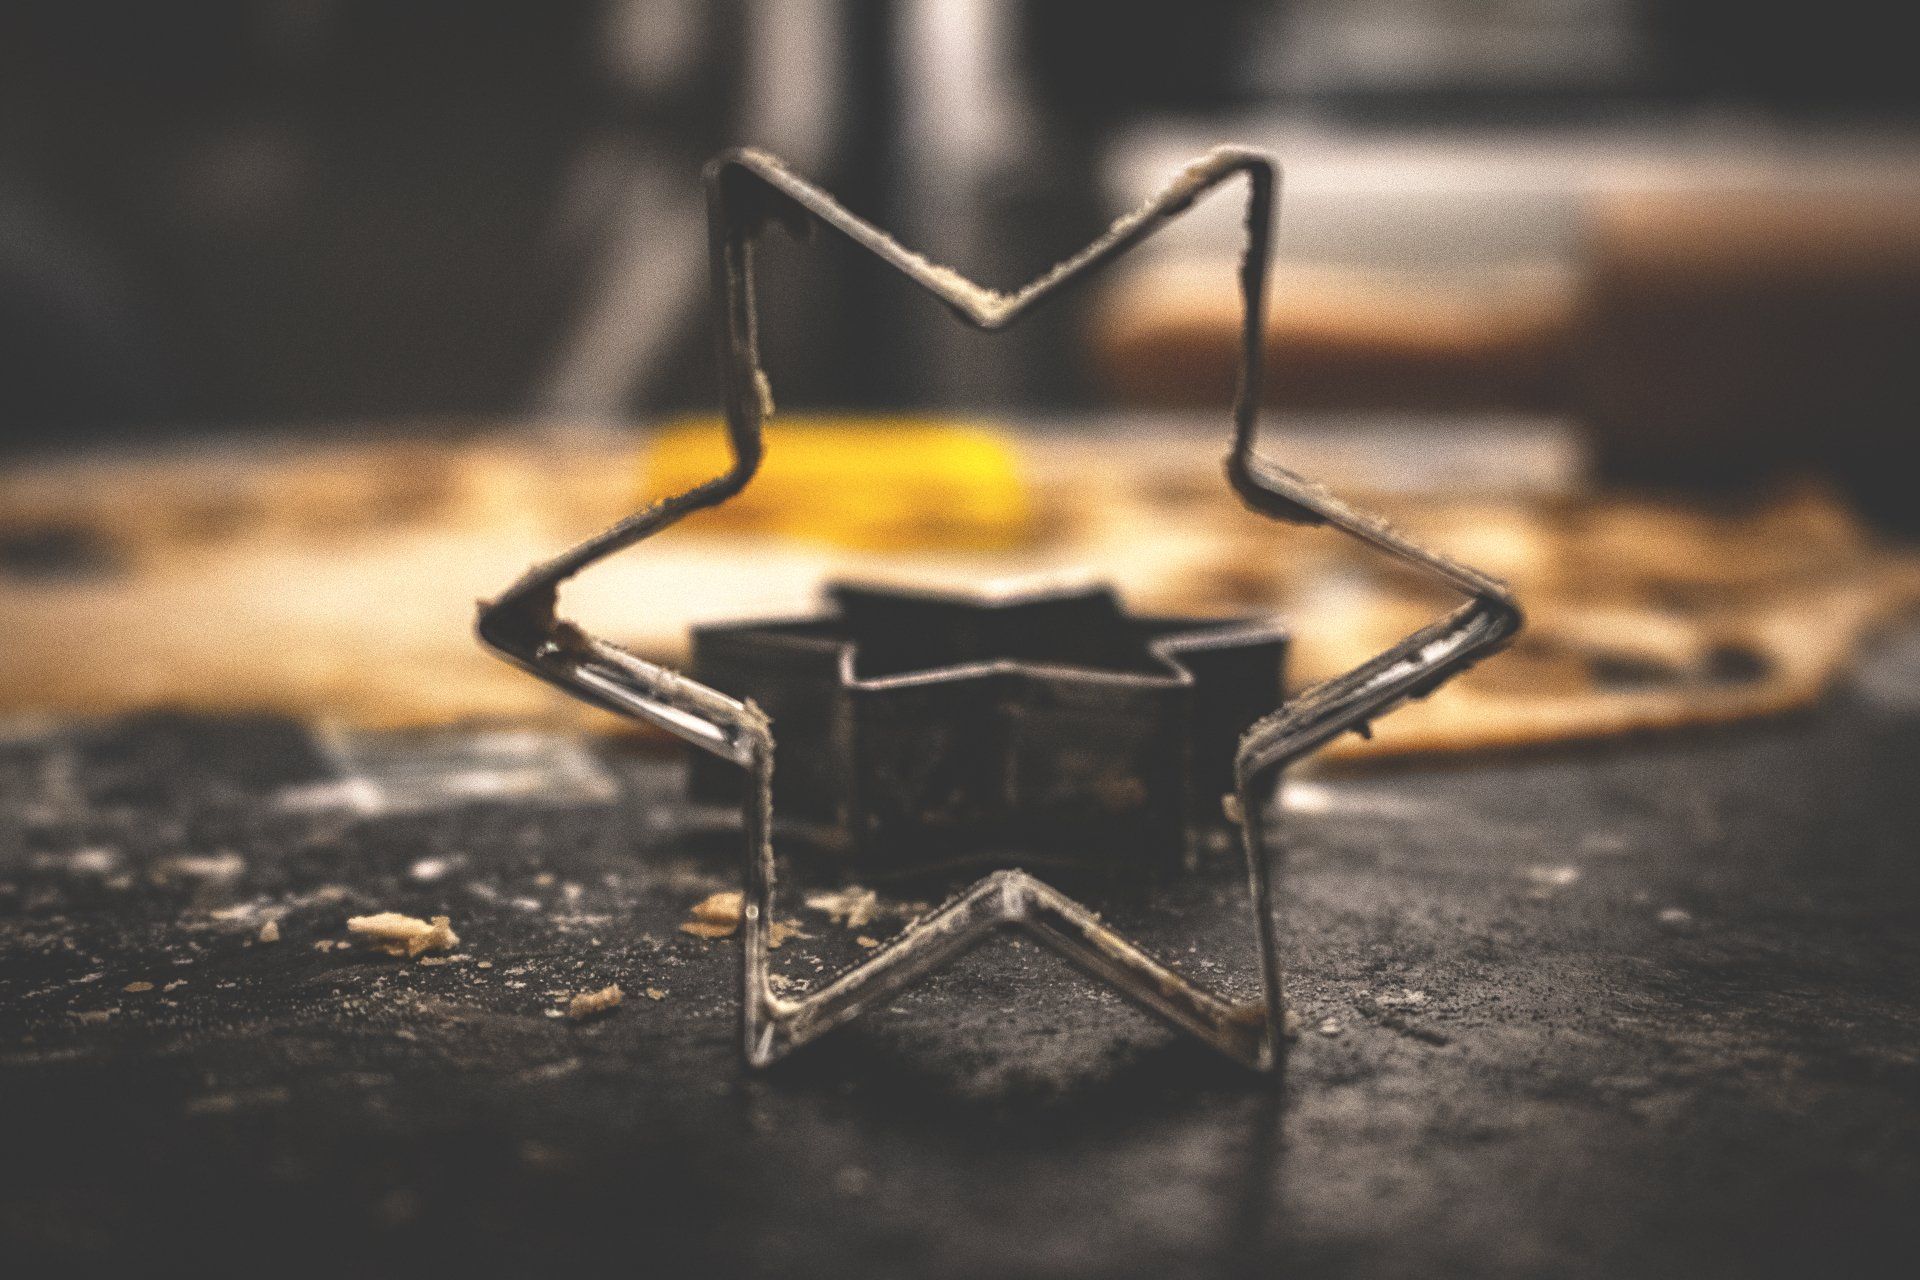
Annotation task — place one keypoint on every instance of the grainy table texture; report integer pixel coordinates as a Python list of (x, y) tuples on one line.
[(1648, 1009)]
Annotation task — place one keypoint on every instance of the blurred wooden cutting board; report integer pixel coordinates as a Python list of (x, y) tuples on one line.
[(337, 581)]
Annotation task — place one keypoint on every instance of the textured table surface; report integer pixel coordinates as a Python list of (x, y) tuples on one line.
[(1642, 1010)]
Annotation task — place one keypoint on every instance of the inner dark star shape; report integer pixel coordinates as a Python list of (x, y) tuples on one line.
[(919, 729)]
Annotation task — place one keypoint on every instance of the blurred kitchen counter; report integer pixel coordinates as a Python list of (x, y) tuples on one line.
[(335, 580)]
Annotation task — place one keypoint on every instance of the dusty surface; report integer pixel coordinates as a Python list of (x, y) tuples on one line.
[(1650, 1011)]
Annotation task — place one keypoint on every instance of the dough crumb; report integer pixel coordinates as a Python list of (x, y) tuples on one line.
[(715, 916), (399, 935), (138, 986), (851, 907), (718, 916), (589, 1003), (868, 943), (655, 993), (270, 931)]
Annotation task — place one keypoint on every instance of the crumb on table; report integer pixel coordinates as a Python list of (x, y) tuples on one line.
[(715, 916), (589, 1003), (851, 907), (718, 916), (399, 935)]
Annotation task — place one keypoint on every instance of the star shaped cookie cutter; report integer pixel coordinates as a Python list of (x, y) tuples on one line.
[(931, 729), (745, 189)]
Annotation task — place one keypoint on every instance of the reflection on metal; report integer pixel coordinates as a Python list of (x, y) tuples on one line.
[(747, 189)]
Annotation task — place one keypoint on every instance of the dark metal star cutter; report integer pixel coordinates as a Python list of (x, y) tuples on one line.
[(744, 190), (924, 730)]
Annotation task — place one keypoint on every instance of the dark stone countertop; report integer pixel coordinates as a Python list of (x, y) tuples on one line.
[(1648, 1009)]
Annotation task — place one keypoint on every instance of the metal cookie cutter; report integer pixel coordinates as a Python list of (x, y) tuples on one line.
[(745, 189), (923, 729)]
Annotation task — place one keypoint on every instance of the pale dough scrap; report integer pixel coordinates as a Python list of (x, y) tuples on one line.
[(399, 935), (852, 907), (718, 916), (715, 916), (589, 1003)]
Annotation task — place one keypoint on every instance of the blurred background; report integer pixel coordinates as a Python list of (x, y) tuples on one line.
[(1544, 253), (321, 320), (1688, 225)]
